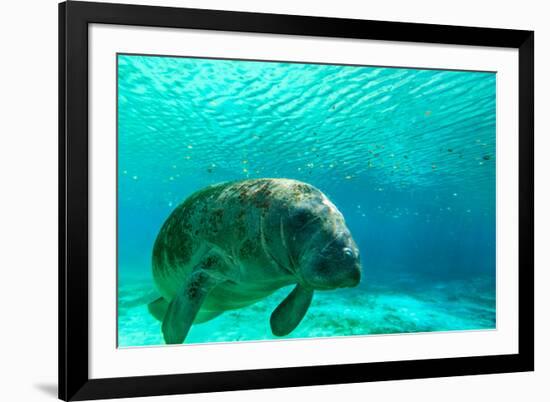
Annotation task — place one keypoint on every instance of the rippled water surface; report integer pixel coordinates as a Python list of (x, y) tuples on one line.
[(407, 155)]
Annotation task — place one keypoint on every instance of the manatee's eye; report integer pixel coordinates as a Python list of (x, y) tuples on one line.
[(348, 252)]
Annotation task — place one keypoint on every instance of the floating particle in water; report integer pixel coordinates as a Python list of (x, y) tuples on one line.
[(359, 206), (189, 146), (392, 155), (481, 163), (245, 170), (174, 166), (455, 194), (363, 215), (450, 150), (135, 177), (170, 204), (331, 165), (486, 157), (124, 172), (449, 209), (171, 178), (380, 189), (187, 157), (434, 166), (209, 170), (468, 210), (310, 165), (256, 137), (349, 177), (245, 161)]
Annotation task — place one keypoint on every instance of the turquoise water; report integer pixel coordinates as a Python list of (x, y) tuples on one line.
[(407, 155)]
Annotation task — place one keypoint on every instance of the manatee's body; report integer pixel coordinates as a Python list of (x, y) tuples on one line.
[(232, 244)]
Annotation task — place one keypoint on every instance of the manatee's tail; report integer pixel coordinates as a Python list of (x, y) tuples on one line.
[(158, 308)]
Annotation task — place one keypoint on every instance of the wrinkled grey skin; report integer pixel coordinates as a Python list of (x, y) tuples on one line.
[(232, 244)]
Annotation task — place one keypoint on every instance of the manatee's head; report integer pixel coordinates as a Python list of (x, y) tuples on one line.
[(325, 252)]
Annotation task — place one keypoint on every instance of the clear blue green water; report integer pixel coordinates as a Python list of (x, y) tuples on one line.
[(407, 155)]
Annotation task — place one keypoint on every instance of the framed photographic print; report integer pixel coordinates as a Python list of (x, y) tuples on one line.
[(257, 200)]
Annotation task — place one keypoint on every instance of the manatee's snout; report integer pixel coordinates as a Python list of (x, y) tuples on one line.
[(351, 267), (338, 265)]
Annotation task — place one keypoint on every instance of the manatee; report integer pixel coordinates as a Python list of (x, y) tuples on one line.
[(232, 244)]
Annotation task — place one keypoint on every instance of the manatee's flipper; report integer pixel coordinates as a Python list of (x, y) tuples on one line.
[(185, 306), (158, 308), (286, 317)]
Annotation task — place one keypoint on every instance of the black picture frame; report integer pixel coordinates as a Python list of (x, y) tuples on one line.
[(74, 381)]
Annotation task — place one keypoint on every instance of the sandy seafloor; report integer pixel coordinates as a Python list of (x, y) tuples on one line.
[(403, 307)]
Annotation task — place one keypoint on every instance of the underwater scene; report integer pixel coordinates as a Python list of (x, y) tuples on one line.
[(262, 200)]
